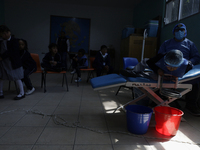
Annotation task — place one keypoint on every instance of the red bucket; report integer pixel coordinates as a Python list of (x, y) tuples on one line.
[(167, 120)]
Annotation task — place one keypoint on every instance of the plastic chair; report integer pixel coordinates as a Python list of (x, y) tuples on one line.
[(128, 62), (39, 69), (53, 72), (89, 70), (44, 73)]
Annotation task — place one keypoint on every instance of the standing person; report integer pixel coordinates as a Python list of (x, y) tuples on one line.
[(190, 53), (102, 61), (63, 47), (180, 42), (52, 59), (29, 65), (80, 61), (10, 62)]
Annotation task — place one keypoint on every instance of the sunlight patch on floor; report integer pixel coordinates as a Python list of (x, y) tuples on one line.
[(110, 106)]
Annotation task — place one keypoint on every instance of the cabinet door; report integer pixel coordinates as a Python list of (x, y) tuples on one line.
[(132, 47), (124, 51), (136, 47), (150, 47)]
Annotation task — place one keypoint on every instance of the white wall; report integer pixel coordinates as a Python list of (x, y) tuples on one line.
[(30, 20)]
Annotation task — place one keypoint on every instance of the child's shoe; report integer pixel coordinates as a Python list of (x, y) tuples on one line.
[(30, 91), (78, 80), (20, 96), (74, 71)]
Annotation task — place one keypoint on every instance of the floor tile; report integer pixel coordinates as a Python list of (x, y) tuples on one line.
[(17, 110), (9, 120), (134, 147), (70, 103), (53, 101), (67, 110), (192, 120), (57, 135), (84, 136), (27, 101), (91, 103), (43, 109), (116, 120), (33, 120), (192, 147), (93, 147), (62, 120), (16, 147), (126, 139), (21, 135), (93, 121), (91, 110), (3, 130), (52, 147)]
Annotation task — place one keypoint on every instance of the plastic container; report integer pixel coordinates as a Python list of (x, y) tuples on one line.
[(152, 28), (127, 31), (167, 120), (138, 118)]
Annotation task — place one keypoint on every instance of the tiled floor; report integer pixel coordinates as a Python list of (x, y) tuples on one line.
[(84, 114)]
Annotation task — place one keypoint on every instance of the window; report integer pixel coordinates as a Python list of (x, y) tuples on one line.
[(179, 9)]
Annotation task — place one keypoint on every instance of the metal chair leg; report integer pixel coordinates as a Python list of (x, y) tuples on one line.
[(133, 93), (44, 82), (63, 79), (72, 78), (66, 82), (77, 81), (118, 90), (90, 73)]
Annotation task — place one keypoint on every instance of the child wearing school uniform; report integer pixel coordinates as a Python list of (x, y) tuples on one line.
[(52, 60), (102, 61), (80, 61), (10, 63), (29, 65)]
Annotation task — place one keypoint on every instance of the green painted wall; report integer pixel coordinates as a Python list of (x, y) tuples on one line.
[(2, 14), (147, 10)]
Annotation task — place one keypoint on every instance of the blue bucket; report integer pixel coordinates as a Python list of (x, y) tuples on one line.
[(138, 118)]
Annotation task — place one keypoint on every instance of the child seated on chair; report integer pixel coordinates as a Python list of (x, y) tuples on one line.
[(80, 61), (52, 59), (171, 63), (28, 64), (102, 62)]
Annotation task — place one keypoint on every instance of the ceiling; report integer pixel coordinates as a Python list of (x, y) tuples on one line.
[(129, 4)]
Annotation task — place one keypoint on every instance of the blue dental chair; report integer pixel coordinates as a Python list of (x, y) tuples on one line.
[(128, 63)]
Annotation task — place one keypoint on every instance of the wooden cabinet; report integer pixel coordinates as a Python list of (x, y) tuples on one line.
[(132, 47)]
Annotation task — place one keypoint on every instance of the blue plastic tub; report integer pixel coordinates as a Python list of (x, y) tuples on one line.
[(138, 118), (152, 28)]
